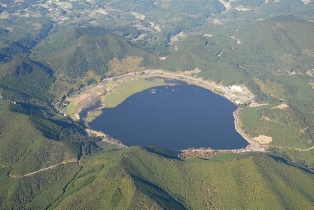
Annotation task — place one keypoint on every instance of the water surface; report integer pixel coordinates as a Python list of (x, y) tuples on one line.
[(174, 118)]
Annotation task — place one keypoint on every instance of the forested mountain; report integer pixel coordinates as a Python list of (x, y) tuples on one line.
[(33, 136), (26, 77), (135, 178), (79, 50), (50, 50)]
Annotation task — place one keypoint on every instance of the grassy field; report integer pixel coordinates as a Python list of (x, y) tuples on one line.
[(125, 90), (118, 95), (106, 145), (70, 109), (92, 116)]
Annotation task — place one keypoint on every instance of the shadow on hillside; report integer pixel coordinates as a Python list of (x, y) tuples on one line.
[(162, 152)]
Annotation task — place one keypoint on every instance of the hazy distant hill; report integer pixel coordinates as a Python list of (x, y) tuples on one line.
[(283, 43), (279, 52)]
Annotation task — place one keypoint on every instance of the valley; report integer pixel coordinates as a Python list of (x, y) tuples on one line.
[(64, 64)]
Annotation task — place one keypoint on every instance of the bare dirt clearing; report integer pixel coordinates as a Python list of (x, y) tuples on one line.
[(282, 106), (261, 139), (208, 35), (306, 1), (227, 4), (267, 119), (255, 104), (162, 58)]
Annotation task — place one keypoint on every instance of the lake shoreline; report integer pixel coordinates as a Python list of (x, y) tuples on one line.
[(239, 129), (187, 77)]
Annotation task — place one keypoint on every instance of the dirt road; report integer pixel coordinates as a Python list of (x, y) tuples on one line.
[(43, 169)]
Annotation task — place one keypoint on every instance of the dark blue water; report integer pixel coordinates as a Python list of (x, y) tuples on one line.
[(173, 118)]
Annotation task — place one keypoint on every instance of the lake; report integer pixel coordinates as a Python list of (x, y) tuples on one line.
[(174, 118)]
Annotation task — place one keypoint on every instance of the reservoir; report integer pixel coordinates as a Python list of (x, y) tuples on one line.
[(174, 118)]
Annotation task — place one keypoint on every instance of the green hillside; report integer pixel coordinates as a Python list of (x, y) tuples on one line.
[(34, 137), (52, 49), (287, 127), (276, 42), (275, 61), (138, 178), (76, 51), (26, 77)]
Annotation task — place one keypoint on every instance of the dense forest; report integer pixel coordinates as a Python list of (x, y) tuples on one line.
[(52, 49)]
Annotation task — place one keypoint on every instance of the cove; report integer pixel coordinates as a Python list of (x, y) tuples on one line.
[(174, 118)]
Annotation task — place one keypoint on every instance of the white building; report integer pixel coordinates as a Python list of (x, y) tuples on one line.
[(236, 88)]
